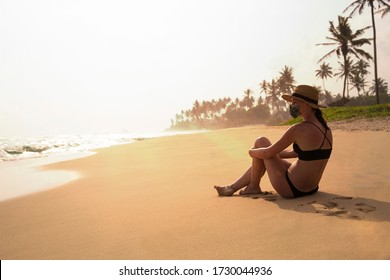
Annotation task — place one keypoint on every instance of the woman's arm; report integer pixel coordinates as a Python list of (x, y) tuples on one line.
[(288, 154), (279, 148)]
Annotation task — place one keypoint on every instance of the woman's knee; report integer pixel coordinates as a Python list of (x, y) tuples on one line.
[(262, 142)]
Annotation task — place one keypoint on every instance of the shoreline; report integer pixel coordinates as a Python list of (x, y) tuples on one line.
[(28, 176), (38, 176)]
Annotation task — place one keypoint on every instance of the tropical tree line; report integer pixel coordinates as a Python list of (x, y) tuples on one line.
[(264, 107), (269, 108)]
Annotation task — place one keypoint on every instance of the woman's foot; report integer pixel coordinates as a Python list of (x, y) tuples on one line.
[(224, 191), (250, 190)]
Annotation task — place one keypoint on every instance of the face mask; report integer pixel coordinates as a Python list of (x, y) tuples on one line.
[(294, 110)]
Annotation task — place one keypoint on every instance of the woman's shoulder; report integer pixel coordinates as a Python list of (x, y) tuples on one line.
[(307, 129), (314, 126), (301, 126)]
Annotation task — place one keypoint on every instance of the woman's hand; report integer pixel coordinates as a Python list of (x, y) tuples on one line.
[(257, 153)]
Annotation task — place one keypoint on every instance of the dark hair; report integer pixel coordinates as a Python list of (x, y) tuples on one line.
[(320, 118)]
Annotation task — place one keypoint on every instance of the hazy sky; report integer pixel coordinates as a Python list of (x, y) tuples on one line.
[(90, 66)]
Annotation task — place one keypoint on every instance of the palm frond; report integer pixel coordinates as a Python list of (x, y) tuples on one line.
[(327, 55), (356, 6)]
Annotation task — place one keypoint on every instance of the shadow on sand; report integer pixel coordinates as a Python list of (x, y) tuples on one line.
[(328, 204)]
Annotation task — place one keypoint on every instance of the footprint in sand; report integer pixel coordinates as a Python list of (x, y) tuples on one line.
[(343, 214), (271, 198), (322, 205), (346, 209), (330, 208), (343, 197), (362, 207), (268, 196), (328, 204)]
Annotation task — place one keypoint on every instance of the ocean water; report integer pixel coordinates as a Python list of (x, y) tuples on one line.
[(21, 158), (15, 149)]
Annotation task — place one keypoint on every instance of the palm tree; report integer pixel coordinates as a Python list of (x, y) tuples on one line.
[(273, 96), (347, 42), (196, 111), (383, 87), (286, 83), (357, 80), (286, 80), (360, 68), (248, 100), (263, 88), (324, 72), (327, 97), (359, 5), (345, 71)]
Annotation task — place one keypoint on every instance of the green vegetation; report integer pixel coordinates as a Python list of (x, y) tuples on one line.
[(345, 113)]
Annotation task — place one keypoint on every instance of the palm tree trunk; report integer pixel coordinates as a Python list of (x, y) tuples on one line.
[(345, 75), (375, 56)]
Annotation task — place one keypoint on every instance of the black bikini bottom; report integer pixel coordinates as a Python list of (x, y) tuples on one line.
[(295, 191)]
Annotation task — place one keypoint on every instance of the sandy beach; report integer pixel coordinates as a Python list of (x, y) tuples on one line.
[(154, 199)]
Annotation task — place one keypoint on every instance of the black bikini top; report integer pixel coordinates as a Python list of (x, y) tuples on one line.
[(314, 154)]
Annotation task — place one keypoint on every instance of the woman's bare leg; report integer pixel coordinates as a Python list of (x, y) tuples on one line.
[(258, 168), (253, 187), (276, 169), (250, 179), (242, 182)]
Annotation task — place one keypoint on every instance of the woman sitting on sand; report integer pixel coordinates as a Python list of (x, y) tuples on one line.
[(312, 145)]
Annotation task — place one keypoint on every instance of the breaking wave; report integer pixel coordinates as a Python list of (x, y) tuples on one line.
[(17, 149)]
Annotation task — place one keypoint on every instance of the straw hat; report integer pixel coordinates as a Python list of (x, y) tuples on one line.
[(305, 93)]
